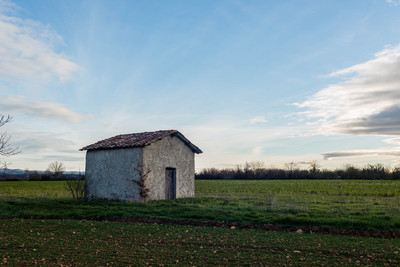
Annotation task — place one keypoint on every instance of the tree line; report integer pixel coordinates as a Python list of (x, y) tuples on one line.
[(54, 172), (256, 171)]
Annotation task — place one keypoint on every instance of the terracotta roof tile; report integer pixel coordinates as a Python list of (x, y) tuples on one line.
[(138, 140)]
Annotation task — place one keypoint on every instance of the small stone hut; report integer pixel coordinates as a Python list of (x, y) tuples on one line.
[(162, 160)]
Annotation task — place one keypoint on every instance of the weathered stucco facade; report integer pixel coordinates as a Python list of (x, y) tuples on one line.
[(109, 174), (168, 155)]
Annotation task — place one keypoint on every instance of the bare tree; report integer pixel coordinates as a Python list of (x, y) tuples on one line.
[(143, 175), (5, 149), (291, 166), (257, 167), (56, 169), (5, 167), (314, 166)]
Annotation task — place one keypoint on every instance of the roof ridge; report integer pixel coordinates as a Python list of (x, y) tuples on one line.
[(138, 140)]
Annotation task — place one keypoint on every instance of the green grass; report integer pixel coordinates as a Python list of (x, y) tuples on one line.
[(369, 188), (34, 190), (366, 205), (363, 204), (89, 243)]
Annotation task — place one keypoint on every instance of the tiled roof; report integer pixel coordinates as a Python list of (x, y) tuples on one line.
[(138, 140)]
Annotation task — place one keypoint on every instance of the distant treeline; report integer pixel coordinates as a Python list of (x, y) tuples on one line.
[(256, 171), (39, 176)]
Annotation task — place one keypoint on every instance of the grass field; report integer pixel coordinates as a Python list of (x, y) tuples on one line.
[(38, 226), (366, 205), (353, 203)]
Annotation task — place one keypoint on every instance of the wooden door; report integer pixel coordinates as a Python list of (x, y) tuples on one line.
[(170, 183)]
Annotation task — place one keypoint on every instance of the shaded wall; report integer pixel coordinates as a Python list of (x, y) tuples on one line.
[(109, 174)]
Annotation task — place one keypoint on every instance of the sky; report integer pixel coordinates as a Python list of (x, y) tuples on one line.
[(270, 81)]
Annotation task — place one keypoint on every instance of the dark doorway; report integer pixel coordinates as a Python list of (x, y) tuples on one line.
[(170, 183)]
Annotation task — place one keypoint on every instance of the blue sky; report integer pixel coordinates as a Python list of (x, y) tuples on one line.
[(272, 81)]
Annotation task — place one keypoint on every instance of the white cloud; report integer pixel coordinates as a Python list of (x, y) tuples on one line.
[(51, 110), (259, 119), (367, 103), (26, 50)]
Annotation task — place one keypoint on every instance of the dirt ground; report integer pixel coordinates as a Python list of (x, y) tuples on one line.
[(265, 227)]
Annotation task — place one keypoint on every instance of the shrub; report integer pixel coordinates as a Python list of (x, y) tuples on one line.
[(35, 176), (77, 188)]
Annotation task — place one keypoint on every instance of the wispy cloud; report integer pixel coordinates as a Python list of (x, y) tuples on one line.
[(392, 141), (228, 141), (27, 49), (259, 119), (41, 148), (360, 153), (366, 103), (393, 2), (48, 110), (7, 6), (42, 142), (257, 151)]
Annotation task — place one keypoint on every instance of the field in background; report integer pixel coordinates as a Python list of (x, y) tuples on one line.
[(355, 203), (37, 225), (34, 190)]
